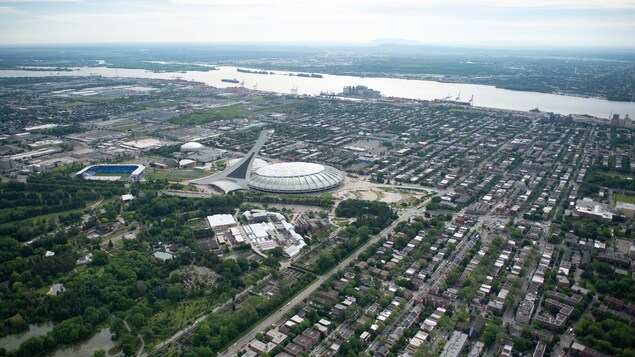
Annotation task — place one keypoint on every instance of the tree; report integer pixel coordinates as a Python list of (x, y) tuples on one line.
[(522, 344), (137, 320), (489, 334), (129, 344), (200, 352), (16, 323), (175, 293), (325, 262), (117, 327), (100, 258)]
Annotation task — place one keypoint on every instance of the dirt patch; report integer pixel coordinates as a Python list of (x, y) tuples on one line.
[(391, 197), (368, 195), (193, 276)]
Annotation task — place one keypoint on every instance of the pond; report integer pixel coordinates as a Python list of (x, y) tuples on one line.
[(12, 342)]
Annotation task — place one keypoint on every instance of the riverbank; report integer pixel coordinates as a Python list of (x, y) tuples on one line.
[(280, 82)]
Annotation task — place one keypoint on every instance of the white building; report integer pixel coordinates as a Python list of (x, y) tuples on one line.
[(221, 221), (586, 207)]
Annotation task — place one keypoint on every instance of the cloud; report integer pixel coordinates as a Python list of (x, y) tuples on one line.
[(6, 10), (305, 21), (35, 1), (226, 3), (566, 4)]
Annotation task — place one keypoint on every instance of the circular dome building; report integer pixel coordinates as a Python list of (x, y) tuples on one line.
[(295, 177), (191, 147), (258, 163)]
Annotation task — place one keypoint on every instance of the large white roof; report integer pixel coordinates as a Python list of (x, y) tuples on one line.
[(191, 146), (258, 163), (290, 169), (295, 177), (227, 185), (219, 220)]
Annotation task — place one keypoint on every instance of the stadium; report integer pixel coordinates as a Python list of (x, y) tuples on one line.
[(289, 177), (112, 172), (295, 177)]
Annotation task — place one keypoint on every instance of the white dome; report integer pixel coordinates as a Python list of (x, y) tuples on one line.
[(295, 177), (186, 162), (258, 163), (191, 146)]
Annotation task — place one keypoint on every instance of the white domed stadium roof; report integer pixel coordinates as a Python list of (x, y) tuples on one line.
[(186, 162), (191, 146), (258, 163), (295, 177)]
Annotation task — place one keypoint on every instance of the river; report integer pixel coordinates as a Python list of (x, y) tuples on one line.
[(12, 342), (281, 82), (102, 340)]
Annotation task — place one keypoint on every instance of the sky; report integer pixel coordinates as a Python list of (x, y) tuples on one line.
[(548, 23)]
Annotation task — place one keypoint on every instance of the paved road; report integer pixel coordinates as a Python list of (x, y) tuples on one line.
[(186, 194), (242, 343)]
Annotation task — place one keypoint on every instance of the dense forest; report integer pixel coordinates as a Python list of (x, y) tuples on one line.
[(375, 215), (123, 282), (51, 192), (606, 333)]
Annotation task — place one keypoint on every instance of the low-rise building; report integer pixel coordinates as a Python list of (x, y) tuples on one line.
[(588, 208), (303, 342), (526, 309), (292, 349), (455, 345)]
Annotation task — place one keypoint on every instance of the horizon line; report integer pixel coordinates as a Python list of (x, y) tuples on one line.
[(374, 43)]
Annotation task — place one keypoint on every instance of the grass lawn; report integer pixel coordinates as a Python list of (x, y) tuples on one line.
[(625, 198), (176, 316), (211, 115), (327, 195), (197, 224), (70, 104), (617, 175), (176, 175), (126, 127), (162, 104), (75, 101), (108, 174)]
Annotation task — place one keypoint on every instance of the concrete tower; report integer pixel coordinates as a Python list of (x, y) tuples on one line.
[(236, 176)]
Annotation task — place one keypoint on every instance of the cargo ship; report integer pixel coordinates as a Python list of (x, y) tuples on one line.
[(230, 80)]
